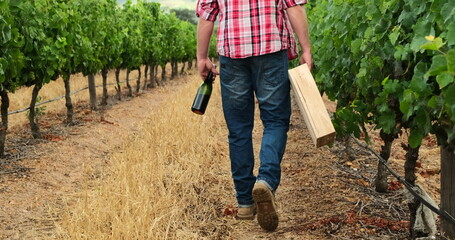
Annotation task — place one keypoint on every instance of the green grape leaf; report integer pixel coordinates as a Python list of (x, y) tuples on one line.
[(451, 134), (435, 45), (368, 33), (406, 103), (384, 82), (438, 65), (436, 6), (394, 36), (362, 73), (421, 29), (451, 61), (6, 35), (423, 120), (432, 103), (415, 137), (419, 80), (444, 79), (406, 18), (447, 10), (449, 95), (417, 42), (451, 33), (418, 6), (3, 64), (387, 122), (355, 46), (391, 86), (400, 53)]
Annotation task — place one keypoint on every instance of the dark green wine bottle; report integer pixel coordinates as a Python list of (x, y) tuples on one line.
[(203, 95)]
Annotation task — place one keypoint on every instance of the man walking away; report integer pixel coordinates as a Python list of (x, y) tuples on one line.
[(255, 42)]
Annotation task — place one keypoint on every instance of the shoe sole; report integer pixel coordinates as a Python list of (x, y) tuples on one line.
[(266, 212)]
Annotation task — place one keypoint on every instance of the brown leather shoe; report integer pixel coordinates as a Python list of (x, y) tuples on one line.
[(246, 213), (265, 201)]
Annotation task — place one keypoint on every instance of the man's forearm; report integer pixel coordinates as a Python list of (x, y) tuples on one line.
[(299, 21), (204, 33)]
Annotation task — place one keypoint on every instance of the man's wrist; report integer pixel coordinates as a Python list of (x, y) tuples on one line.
[(306, 48), (200, 58)]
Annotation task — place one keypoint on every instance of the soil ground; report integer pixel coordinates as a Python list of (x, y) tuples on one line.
[(324, 194)]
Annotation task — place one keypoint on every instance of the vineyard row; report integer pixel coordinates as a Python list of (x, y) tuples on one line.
[(391, 64), (43, 40)]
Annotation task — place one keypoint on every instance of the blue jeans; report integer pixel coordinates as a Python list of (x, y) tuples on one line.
[(241, 79)]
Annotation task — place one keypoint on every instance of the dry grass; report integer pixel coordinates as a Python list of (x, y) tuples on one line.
[(164, 184)]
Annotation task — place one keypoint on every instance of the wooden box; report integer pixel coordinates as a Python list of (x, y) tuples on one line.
[(312, 106)]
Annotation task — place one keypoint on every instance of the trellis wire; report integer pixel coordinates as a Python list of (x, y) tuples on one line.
[(408, 186), (58, 98)]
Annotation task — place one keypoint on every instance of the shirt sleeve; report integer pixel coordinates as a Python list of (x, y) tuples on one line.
[(207, 9), (291, 3)]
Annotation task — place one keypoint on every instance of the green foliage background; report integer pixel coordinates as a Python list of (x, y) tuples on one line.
[(388, 63), (44, 39)]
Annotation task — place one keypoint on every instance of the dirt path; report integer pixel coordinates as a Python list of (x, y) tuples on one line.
[(322, 196)]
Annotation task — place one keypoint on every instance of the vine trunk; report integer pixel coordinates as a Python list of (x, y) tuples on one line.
[(4, 123), (381, 183), (68, 103), (32, 116), (130, 90), (412, 155), (138, 82), (105, 94), (118, 87)]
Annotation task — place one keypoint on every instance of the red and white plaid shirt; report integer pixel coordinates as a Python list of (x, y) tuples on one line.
[(251, 28)]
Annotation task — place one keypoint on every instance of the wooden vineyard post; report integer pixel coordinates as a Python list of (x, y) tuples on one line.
[(311, 106), (448, 189), (92, 91)]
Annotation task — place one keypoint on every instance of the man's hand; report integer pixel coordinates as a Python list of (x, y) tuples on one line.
[(204, 66), (307, 59)]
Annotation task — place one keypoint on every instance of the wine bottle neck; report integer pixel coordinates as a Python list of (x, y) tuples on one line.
[(209, 78)]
